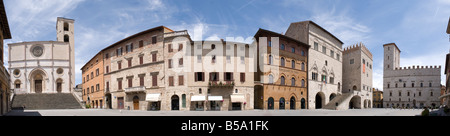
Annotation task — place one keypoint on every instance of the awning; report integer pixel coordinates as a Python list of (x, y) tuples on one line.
[(153, 97), (237, 98), (198, 98), (215, 98)]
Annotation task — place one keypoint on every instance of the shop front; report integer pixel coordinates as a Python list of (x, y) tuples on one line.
[(154, 101), (215, 102), (198, 102), (237, 101)]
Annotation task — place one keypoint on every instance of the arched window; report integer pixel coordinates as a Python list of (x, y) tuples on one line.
[(430, 85), (183, 100), (404, 84), (59, 85), (283, 80), (326, 63), (213, 46), (270, 79), (396, 85), (66, 38), (303, 82), (421, 84), (200, 91), (66, 26), (283, 62), (293, 64), (270, 103), (17, 83), (293, 81), (270, 59), (303, 53), (282, 103)]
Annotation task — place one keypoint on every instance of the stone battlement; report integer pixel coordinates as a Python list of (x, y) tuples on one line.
[(358, 46), (418, 67)]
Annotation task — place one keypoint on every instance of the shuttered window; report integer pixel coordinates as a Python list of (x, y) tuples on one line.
[(180, 80), (242, 77), (154, 80)]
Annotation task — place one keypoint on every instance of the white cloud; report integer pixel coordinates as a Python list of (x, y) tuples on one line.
[(342, 26), (29, 18)]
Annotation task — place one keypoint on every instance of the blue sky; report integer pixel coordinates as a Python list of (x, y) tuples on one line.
[(416, 26)]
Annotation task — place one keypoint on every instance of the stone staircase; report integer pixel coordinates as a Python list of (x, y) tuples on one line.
[(340, 102), (45, 101)]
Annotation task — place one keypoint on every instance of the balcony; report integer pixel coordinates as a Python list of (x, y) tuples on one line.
[(135, 89), (176, 33), (220, 84)]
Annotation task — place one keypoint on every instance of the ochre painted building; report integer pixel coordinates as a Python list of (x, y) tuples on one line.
[(93, 82), (281, 73)]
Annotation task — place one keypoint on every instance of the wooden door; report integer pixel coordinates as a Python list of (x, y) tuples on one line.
[(38, 86), (120, 103), (136, 103)]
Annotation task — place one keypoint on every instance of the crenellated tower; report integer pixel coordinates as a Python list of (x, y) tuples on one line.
[(391, 56)]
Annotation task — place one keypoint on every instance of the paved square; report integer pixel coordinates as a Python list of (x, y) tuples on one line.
[(102, 112)]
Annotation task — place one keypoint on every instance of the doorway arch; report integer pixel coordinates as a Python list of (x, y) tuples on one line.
[(292, 103), (320, 100), (355, 102), (37, 80), (282, 104), (303, 103), (175, 102), (270, 103), (136, 102)]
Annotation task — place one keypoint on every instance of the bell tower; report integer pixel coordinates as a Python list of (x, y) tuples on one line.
[(65, 33)]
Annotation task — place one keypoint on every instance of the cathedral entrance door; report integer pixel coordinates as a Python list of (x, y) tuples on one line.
[(38, 86)]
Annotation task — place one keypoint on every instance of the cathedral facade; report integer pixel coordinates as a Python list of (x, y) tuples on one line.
[(44, 66)]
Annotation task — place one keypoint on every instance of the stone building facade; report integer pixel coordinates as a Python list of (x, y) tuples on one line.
[(409, 87), (358, 76), (219, 76), (446, 96), (44, 66), (5, 80), (324, 64), (282, 68), (158, 69), (134, 67)]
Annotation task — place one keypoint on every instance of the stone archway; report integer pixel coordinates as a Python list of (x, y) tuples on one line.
[(332, 96), (355, 102), (292, 103), (320, 100), (37, 81), (175, 100)]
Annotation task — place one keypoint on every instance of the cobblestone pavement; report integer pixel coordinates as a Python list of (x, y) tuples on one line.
[(102, 112)]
